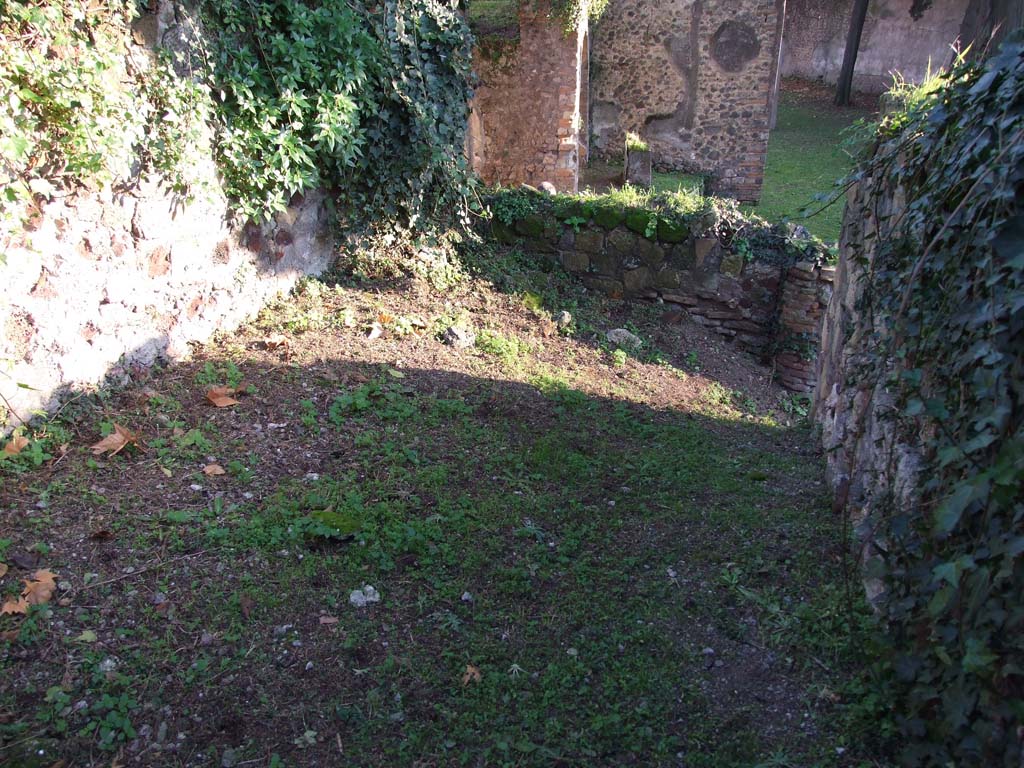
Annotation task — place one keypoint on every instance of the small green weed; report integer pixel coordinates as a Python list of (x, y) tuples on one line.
[(508, 348)]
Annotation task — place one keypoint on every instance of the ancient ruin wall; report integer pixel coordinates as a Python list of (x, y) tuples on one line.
[(103, 282), (815, 38), (767, 307), (100, 282), (693, 78), (525, 122)]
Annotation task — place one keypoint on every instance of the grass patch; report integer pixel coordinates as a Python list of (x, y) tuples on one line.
[(493, 17), (805, 159)]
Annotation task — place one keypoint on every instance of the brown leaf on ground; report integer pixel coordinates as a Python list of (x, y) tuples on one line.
[(101, 535), (3, 570), (471, 675), (39, 589), (221, 397), (328, 620), (115, 442), (276, 340), (246, 603), (213, 469), (16, 445), (12, 606)]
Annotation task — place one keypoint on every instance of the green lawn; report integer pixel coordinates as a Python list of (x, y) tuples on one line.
[(493, 17), (805, 159)]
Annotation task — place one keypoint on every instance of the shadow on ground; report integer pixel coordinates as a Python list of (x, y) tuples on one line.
[(565, 578)]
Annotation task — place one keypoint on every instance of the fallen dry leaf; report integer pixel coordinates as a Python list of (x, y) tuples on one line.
[(12, 606), (385, 318), (246, 603), (39, 589), (16, 445), (213, 469), (115, 442), (101, 535), (472, 675), (276, 340), (222, 396), (163, 608), (3, 570), (328, 620)]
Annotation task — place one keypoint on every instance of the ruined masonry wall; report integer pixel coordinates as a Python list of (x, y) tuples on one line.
[(815, 39), (101, 283), (766, 308), (694, 79), (525, 119)]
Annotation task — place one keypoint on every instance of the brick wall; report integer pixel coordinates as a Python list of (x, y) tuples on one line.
[(525, 120), (695, 79)]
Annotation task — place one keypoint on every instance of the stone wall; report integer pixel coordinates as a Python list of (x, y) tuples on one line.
[(101, 282), (695, 79), (768, 307), (526, 120), (866, 460), (815, 38)]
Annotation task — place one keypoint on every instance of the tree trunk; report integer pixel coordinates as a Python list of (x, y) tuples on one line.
[(844, 88)]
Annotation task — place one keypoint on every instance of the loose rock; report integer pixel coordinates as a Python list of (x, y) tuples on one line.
[(360, 598), (459, 338), (623, 338)]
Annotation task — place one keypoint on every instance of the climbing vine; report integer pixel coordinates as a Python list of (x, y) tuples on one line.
[(368, 100), (942, 317), (79, 108)]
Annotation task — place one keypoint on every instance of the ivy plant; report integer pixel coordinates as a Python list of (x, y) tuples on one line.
[(941, 331)]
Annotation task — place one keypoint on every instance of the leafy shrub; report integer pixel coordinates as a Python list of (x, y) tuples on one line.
[(292, 79), (77, 109), (369, 101), (366, 99)]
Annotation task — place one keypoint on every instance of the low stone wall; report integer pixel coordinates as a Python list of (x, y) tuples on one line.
[(772, 308), (100, 282)]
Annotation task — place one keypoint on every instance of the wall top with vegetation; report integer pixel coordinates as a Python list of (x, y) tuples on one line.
[(765, 287), (294, 97)]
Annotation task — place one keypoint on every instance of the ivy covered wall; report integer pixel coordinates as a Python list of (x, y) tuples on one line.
[(164, 173), (921, 403)]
